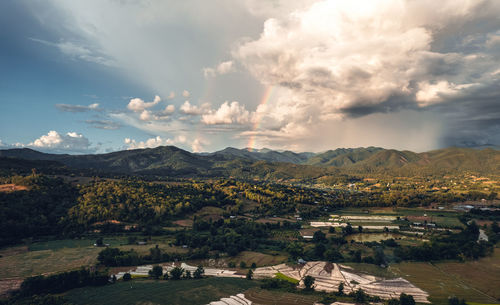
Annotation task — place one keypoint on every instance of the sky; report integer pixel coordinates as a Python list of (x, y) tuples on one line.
[(95, 76)]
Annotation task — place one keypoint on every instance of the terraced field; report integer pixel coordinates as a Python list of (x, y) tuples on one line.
[(269, 297)]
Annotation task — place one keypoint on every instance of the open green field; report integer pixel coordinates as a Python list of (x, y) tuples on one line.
[(475, 281), (28, 263), (62, 255), (283, 277), (193, 292)]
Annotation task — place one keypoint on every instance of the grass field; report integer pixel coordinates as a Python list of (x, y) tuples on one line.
[(29, 263), (193, 292), (283, 277), (62, 255), (476, 281)]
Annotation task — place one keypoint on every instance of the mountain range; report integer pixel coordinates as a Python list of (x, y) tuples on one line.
[(267, 163)]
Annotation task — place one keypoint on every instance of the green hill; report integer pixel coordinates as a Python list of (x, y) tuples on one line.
[(264, 164)]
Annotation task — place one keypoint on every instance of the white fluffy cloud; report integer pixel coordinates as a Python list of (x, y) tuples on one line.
[(223, 68), (228, 113), (332, 63), (199, 144), (188, 108), (138, 105), (71, 142), (154, 142), (341, 59)]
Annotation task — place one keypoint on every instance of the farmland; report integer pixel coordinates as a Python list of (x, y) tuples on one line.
[(61, 255), (475, 281), (195, 292)]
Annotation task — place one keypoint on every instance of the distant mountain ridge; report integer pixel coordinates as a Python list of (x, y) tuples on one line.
[(171, 160)]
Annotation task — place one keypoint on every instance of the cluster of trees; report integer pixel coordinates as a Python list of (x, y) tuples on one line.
[(62, 282), (37, 211), (230, 235), (142, 202), (114, 257), (452, 246)]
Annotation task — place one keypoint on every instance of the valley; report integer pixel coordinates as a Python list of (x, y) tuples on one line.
[(368, 230)]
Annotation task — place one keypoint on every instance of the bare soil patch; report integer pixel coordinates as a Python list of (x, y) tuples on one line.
[(6, 188)]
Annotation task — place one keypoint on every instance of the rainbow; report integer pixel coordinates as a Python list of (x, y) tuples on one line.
[(263, 101)]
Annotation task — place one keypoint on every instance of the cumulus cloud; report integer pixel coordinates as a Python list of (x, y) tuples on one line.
[(77, 108), (139, 105), (337, 60), (171, 95), (69, 142), (198, 145), (189, 109), (154, 142), (330, 62), (147, 115), (223, 68), (228, 113)]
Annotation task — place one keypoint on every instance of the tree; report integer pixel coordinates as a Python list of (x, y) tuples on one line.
[(319, 250), (176, 273), (453, 301), (99, 242), (360, 229), (357, 256), (156, 272), (295, 249), (198, 273), (456, 301), (243, 265), (113, 278), (333, 255), (341, 288), (393, 302), (319, 236), (494, 227), (360, 296), (309, 282), (347, 230), (253, 266), (127, 277), (155, 253), (379, 257), (187, 274), (405, 299), (249, 274)]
